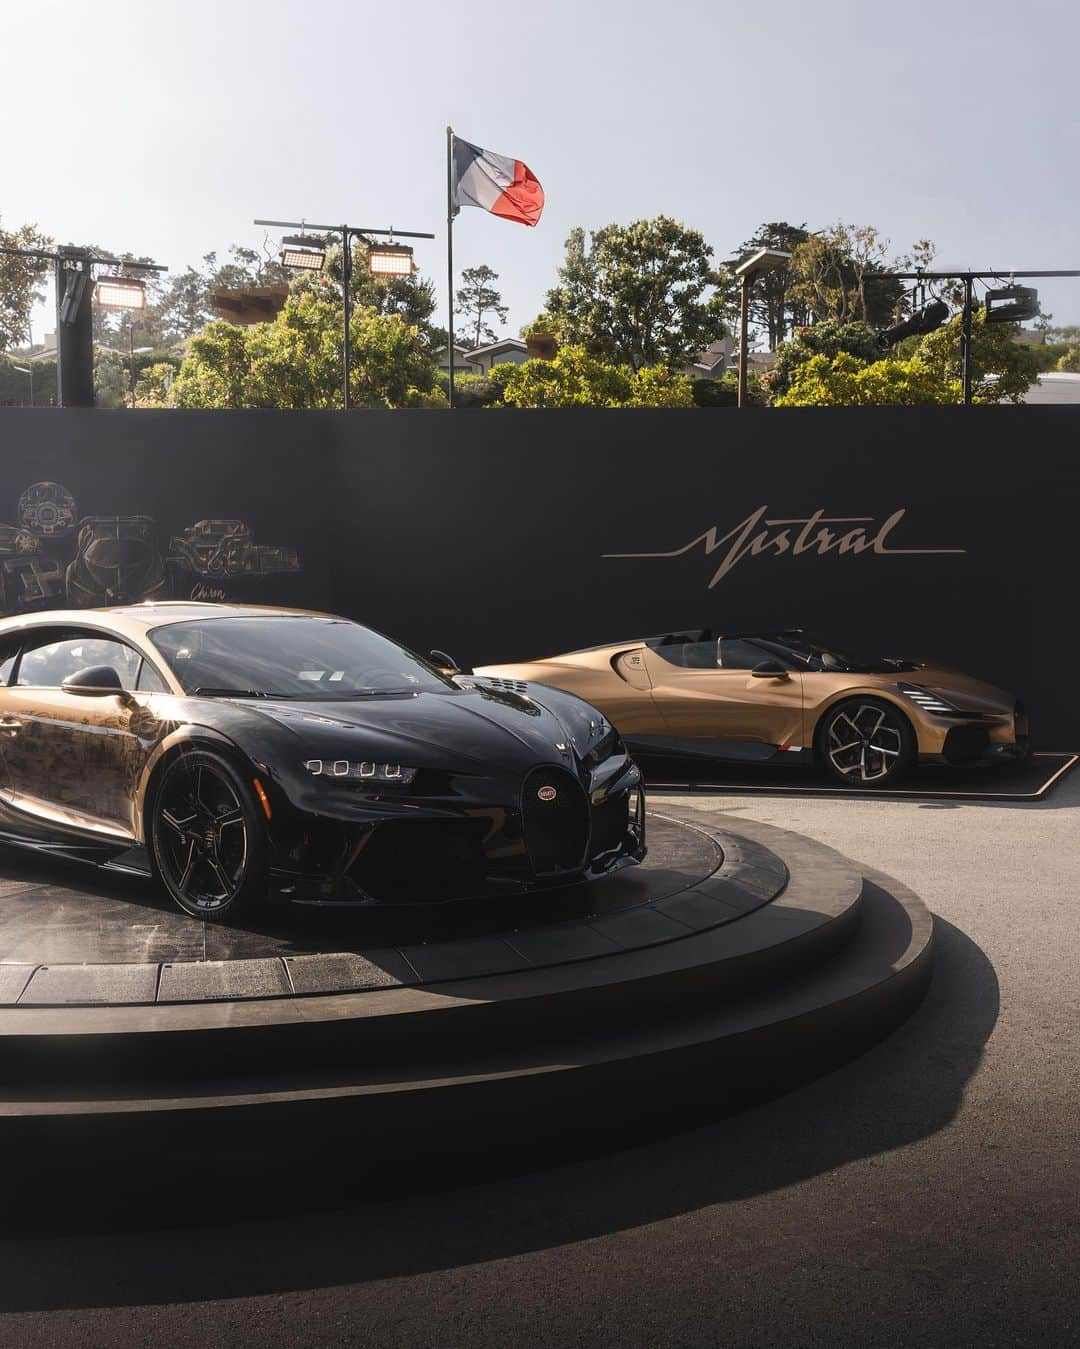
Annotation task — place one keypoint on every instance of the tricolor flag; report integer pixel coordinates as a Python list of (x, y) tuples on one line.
[(495, 183)]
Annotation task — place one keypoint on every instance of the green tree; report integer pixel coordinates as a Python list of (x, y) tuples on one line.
[(411, 298), (1070, 361), (1002, 369), (772, 309), (828, 338), (20, 283), (577, 379), (184, 307), (640, 294), (478, 298), (843, 273), (295, 361), (844, 381), (111, 379), (153, 388)]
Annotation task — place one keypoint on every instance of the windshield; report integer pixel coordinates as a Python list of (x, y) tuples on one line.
[(290, 656), (814, 654)]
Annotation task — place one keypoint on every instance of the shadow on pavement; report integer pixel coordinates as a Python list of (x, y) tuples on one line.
[(321, 1231)]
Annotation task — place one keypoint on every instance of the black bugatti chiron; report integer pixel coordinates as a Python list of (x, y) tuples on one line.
[(237, 751)]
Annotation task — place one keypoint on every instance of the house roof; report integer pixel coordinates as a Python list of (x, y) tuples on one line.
[(507, 344)]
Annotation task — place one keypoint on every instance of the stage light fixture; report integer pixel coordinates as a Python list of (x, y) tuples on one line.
[(303, 253), (120, 292), (924, 320), (390, 260), (1012, 304)]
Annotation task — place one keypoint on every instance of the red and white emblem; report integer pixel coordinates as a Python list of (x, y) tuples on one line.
[(547, 793)]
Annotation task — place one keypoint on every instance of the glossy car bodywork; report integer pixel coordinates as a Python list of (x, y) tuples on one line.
[(78, 773), (668, 694)]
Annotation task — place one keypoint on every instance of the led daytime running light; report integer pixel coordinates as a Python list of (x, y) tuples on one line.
[(364, 770), (929, 702)]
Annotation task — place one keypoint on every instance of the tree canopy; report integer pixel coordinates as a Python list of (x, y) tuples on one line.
[(1002, 369), (772, 308), (20, 283), (295, 361), (843, 380), (476, 299), (640, 294), (577, 379), (843, 273)]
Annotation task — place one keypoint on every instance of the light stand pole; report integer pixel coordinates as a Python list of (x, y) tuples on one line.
[(965, 341), (450, 264), (73, 270), (347, 234), (744, 333), (764, 260)]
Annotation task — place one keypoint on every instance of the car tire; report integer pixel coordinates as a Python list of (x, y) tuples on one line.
[(865, 743), (207, 837)]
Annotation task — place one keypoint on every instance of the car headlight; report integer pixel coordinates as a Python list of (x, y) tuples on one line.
[(931, 702), (360, 770)]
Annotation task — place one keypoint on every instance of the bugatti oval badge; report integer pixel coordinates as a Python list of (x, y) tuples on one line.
[(547, 793)]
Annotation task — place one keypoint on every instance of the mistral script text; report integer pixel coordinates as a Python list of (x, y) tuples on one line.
[(817, 533)]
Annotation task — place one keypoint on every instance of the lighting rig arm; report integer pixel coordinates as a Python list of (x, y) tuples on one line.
[(304, 252)]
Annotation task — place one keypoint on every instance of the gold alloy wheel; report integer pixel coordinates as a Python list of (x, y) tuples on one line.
[(864, 742)]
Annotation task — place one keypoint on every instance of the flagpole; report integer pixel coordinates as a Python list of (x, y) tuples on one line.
[(450, 260)]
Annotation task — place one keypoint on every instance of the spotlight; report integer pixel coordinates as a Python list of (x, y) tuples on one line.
[(1012, 304), (924, 320), (120, 292), (390, 260), (303, 253)]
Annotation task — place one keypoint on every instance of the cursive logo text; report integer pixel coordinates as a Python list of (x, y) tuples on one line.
[(759, 534)]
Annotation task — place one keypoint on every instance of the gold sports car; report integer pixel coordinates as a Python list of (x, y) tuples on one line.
[(784, 696)]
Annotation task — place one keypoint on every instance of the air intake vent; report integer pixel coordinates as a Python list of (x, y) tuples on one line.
[(509, 685), (555, 814)]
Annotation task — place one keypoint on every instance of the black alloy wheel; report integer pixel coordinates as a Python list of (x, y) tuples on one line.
[(207, 837), (865, 742)]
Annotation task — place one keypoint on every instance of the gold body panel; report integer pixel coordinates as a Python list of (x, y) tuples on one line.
[(644, 695)]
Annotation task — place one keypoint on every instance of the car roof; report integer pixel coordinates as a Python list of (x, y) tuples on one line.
[(137, 619)]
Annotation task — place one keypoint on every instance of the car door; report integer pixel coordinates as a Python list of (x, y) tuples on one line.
[(72, 760), (711, 702)]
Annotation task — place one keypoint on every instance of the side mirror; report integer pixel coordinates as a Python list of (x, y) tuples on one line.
[(769, 669), (96, 681)]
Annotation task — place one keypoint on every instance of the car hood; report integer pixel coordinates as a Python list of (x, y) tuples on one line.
[(469, 729), (962, 689)]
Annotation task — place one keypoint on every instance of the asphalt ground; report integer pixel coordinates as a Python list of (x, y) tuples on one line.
[(926, 1193)]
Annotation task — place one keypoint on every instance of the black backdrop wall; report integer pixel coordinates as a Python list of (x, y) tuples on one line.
[(935, 532)]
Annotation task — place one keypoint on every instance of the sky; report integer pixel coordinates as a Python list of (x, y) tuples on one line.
[(165, 129)]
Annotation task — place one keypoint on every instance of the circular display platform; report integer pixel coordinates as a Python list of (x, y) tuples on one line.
[(70, 937), (738, 959)]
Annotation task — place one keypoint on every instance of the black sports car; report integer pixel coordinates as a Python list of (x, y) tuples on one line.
[(235, 750)]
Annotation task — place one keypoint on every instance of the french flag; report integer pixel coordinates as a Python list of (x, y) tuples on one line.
[(496, 183)]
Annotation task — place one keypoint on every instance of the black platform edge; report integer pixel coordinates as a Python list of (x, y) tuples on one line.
[(715, 1059), (744, 876), (803, 921), (1061, 765)]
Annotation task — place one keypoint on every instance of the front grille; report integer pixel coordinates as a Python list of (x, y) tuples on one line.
[(965, 744), (556, 830), (421, 861), (610, 822)]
